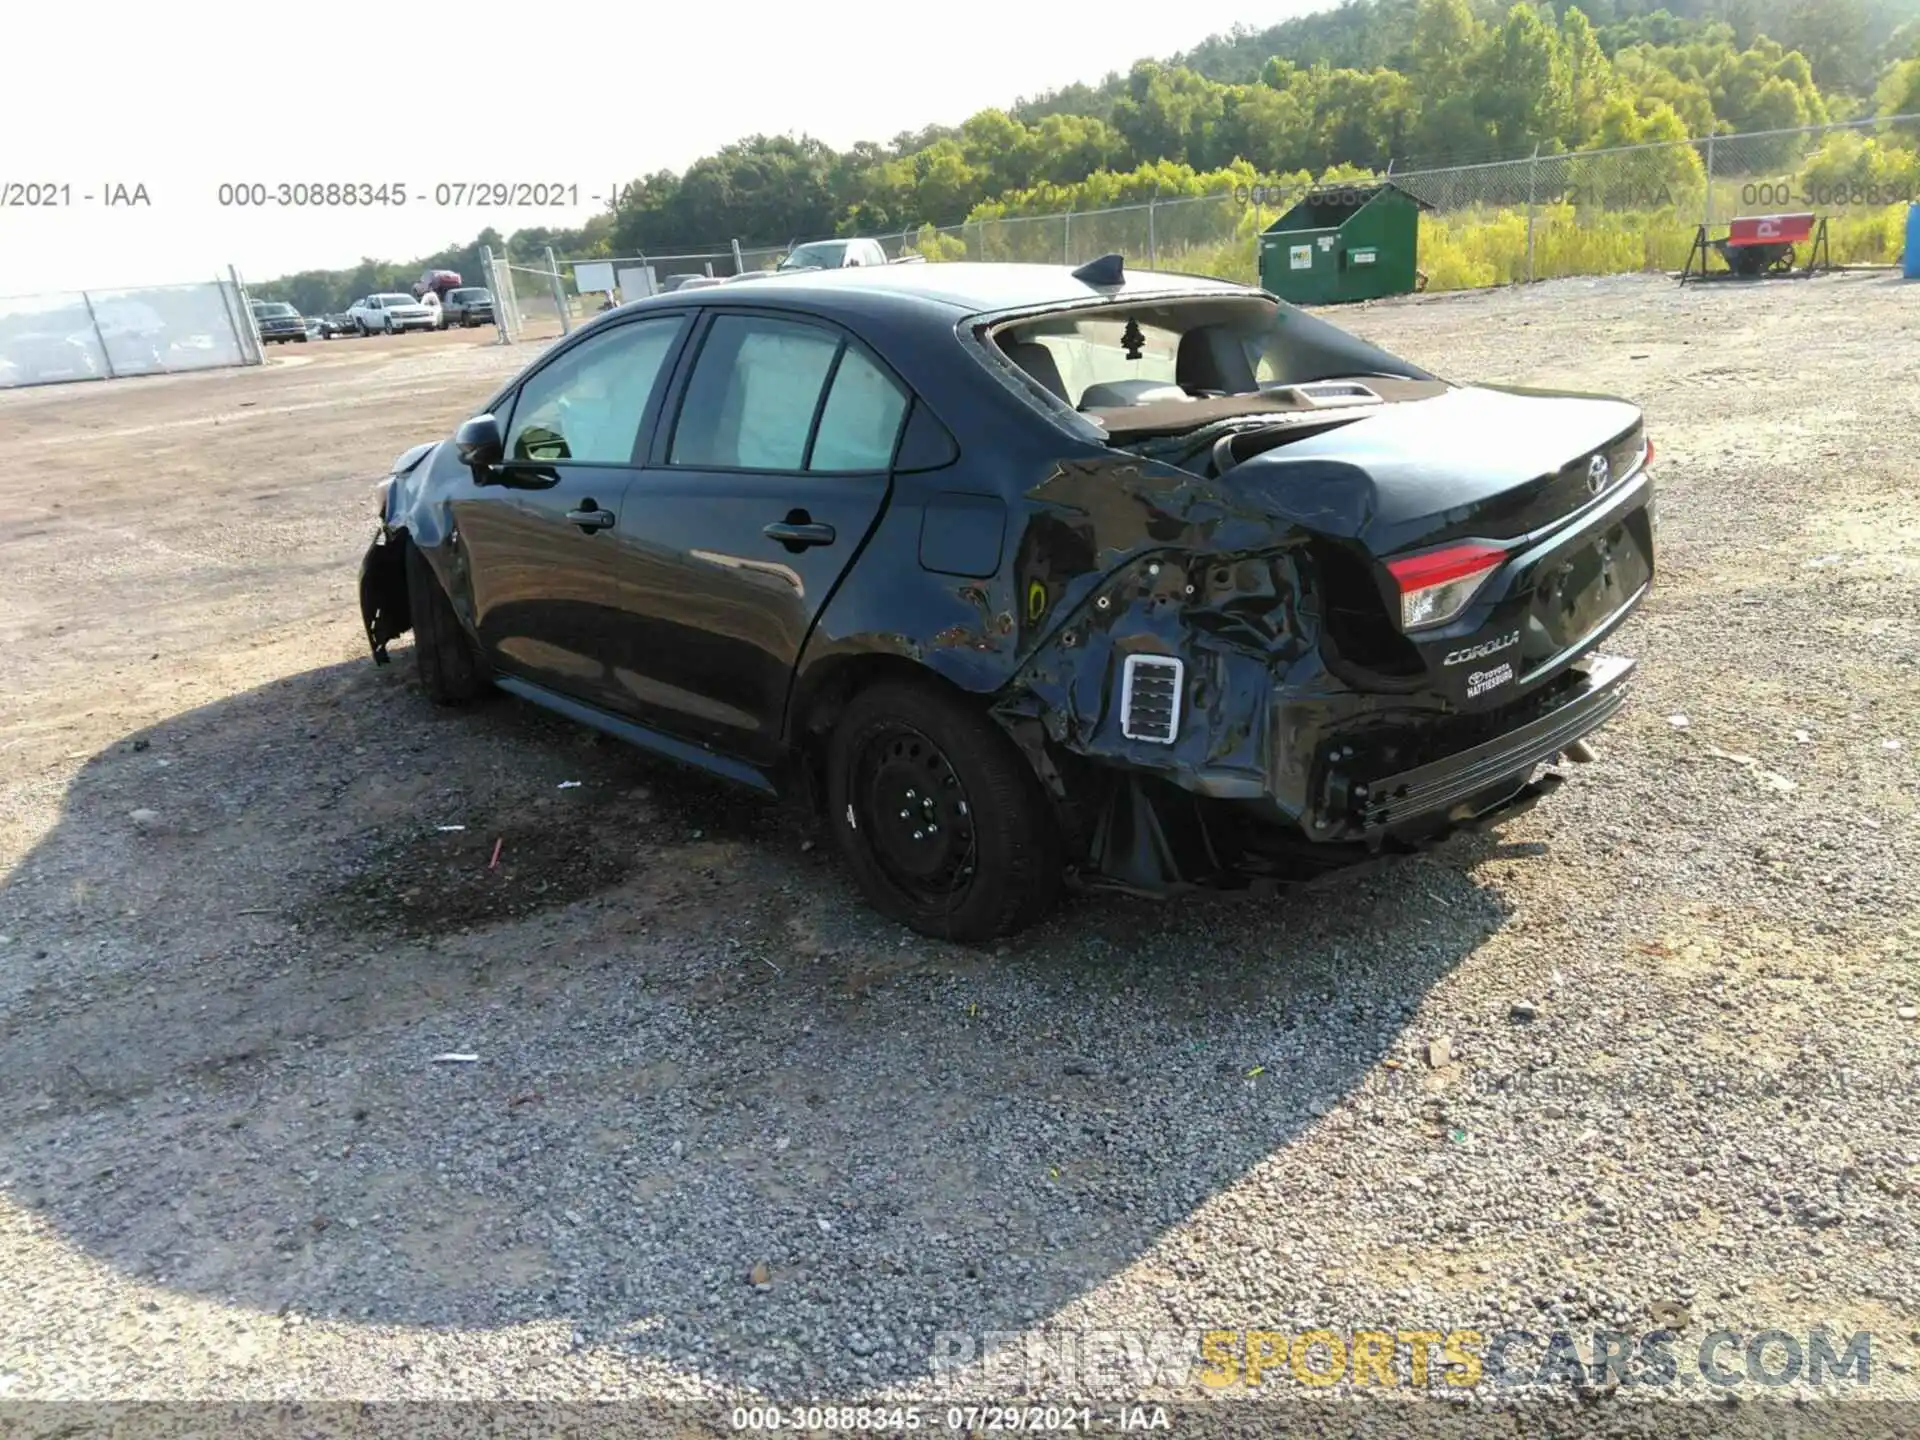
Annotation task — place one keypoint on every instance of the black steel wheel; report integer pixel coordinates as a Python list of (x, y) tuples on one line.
[(940, 815), (914, 812)]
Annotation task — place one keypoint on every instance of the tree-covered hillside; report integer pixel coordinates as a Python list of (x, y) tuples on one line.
[(1417, 82)]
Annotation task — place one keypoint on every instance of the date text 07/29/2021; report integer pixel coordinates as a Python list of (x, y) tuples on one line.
[(55, 192)]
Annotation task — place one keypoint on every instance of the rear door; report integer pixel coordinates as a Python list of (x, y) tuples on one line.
[(753, 503), (548, 535)]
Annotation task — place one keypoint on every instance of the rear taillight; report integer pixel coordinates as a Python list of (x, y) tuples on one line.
[(1437, 586), (1647, 459)]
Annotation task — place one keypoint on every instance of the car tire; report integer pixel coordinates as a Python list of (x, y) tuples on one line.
[(301, 338), (451, 672), (977, 854)]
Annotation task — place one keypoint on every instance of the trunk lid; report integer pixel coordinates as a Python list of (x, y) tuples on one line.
[(1478, 462), (1551, 478)]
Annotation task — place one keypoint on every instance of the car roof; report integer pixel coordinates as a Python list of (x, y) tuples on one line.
[(960, 287)]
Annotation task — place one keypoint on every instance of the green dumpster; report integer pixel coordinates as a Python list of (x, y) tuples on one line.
[(1350, 242)]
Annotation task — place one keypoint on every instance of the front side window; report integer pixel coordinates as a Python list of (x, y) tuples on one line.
[(586, 407)]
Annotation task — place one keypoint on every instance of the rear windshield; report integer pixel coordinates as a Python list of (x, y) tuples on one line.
[(392, 300), (1167, 353), (466, 295)]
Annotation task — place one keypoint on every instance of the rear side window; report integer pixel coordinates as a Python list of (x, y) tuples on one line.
[(751, 401), (861, 420), (769, 394)]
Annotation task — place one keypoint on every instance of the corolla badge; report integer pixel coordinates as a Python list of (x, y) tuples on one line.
[(1598, 473), (1478, 652)]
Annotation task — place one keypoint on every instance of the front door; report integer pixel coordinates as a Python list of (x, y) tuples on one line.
[(545, 534), (752, 505)]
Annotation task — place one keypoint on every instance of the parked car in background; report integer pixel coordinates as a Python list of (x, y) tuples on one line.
[(466, 305), (278, 322), (334, 326), (1027, 573), (390, 314)]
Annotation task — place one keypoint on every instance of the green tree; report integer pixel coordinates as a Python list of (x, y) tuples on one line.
[(1169, 114), (1068, 148), (1835, 36), (999, 150), (1899, 90), (945, 186), (1445, 52), (1525, 85), (1590, 77)]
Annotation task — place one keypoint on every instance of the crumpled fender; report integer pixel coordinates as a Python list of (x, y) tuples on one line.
[(407, 516), (412, 495)]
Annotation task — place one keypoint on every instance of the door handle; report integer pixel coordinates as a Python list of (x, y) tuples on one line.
[(799, 534), (591, 518)]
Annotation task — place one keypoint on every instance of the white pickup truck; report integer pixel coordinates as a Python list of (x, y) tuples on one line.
[(389, 313), (832, 255)]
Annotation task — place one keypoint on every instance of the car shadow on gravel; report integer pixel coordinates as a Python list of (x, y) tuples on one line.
[(719, 1113)]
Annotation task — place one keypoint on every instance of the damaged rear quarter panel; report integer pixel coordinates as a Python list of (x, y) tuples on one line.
[(1033, 636), (1125, 556)]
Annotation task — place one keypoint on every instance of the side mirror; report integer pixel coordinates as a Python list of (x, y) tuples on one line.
[(479, 442)]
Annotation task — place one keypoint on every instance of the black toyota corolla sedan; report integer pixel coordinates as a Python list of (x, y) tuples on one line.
[(1030, 576)]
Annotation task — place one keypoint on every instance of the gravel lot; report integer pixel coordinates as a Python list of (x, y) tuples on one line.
[(229, 1167)]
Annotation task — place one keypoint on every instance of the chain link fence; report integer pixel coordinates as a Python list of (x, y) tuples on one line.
[(107, 334), (1639, 207), (1541, 216)]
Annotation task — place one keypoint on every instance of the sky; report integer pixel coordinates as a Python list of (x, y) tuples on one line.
[(184, 98)]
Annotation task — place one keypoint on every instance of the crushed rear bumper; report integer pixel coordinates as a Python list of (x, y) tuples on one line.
[(1358, 802), (1390, 787)]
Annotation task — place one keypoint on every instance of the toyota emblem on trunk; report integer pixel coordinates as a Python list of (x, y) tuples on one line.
[(1598, 472)]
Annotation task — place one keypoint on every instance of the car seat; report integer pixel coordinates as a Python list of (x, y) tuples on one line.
[(1211, 360), (1038, 362)]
